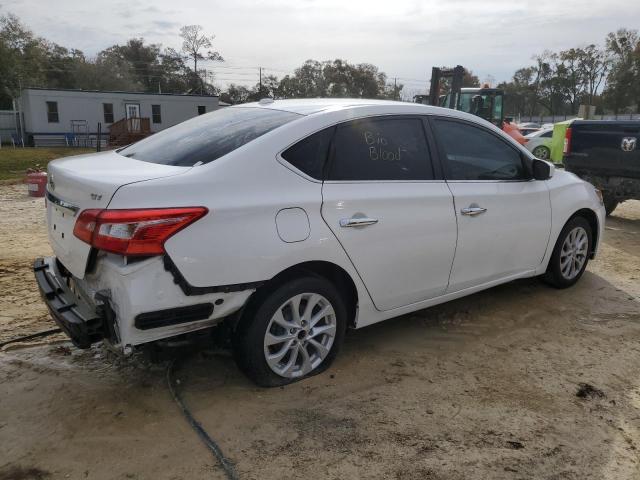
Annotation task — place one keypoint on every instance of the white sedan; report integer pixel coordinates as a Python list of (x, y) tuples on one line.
[(290, 221)]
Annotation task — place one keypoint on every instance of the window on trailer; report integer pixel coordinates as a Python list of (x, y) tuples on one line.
[(52, 112), (156, 114), (107, 108), (202, 109)]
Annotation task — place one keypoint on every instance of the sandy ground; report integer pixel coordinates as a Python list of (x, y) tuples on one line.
[(483, 387)]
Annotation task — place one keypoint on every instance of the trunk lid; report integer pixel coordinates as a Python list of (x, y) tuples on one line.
[(86, 182)]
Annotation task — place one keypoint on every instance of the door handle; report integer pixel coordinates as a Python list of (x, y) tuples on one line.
[(473, 210), (357, 221)]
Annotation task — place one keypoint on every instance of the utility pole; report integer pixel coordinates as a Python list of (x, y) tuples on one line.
[(395, 88), (260, 68)]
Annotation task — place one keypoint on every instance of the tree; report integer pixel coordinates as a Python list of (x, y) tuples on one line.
[(105, 73), (623, 87), (142, 60), (572, 76), (194, 44), (236, 94), (270, 88), (154, 69), (519, 98), (469, 79), (594, 64), (547, 84), (28, 60)]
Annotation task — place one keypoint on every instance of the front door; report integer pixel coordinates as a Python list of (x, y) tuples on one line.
[(132, 111), (394, 219), (504, 217)]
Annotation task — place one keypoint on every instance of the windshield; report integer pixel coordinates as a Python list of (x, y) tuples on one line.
[(207, 137), (487, 106)]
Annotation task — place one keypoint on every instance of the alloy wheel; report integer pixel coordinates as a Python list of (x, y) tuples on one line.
[(541, 152), (300, 335), (573, 254)]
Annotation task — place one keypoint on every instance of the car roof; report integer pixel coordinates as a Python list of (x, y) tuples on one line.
[(310, 106), (539, 132)]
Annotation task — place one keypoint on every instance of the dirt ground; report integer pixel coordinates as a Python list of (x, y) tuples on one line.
[(482, 387)]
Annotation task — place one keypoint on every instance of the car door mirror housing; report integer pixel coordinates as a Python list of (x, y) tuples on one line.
[(541, 170)]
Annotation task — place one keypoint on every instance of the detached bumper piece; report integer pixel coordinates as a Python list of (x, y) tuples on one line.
[(76, 318)]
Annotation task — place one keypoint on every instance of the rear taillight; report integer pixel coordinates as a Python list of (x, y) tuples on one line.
[(134, 232), (566, 148)]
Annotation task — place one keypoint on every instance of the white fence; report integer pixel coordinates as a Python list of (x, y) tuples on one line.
[(561, 118)]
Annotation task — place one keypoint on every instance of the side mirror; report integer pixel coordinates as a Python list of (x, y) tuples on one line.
[(542, 170)]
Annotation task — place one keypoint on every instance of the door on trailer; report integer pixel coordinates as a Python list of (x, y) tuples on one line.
[(132, 111), (390, 210), (504, 216)]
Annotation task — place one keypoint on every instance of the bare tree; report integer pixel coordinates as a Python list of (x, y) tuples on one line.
[(197, 45)]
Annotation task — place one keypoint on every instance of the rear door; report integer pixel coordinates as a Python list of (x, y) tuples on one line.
[(390, 210), (504, 217)]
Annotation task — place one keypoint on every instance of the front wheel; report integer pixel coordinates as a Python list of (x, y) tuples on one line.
[(570, 254), (290, 333)]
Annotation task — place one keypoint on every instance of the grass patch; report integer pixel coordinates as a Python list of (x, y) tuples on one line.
[(14, 162)]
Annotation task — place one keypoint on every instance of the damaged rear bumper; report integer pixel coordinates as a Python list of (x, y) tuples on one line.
[(83, 323)]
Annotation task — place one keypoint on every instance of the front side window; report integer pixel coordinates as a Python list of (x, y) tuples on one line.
[(52, 112), (107, 109), (309, 155), (156, 114), (206, 138), (381, 149), (473, 153)]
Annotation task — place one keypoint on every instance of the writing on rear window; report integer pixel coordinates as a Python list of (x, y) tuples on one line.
[(379, 148)]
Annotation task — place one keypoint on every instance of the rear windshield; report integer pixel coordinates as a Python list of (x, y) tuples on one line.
[(207, 137)]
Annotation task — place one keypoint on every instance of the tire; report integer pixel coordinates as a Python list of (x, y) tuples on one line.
[(269, 327), (542, 152), (570, 254), (610, 204)]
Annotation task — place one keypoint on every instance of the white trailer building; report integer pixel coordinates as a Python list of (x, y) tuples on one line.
[(58, 117)]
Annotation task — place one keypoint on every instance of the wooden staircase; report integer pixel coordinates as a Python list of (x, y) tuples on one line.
[(129, 130)]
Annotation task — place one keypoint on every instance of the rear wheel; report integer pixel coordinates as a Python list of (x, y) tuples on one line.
[(570, 254), (291, 333), (542, 152)]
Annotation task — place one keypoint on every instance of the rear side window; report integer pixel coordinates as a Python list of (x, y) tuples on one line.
[(207, 137), (548, 134), (473, 153), (309, 155), (381, 149)]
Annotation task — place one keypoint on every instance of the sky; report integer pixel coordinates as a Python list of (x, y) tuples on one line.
[(404, 38)]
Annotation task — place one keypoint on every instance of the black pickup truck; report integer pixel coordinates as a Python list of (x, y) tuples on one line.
[(606, 154)]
